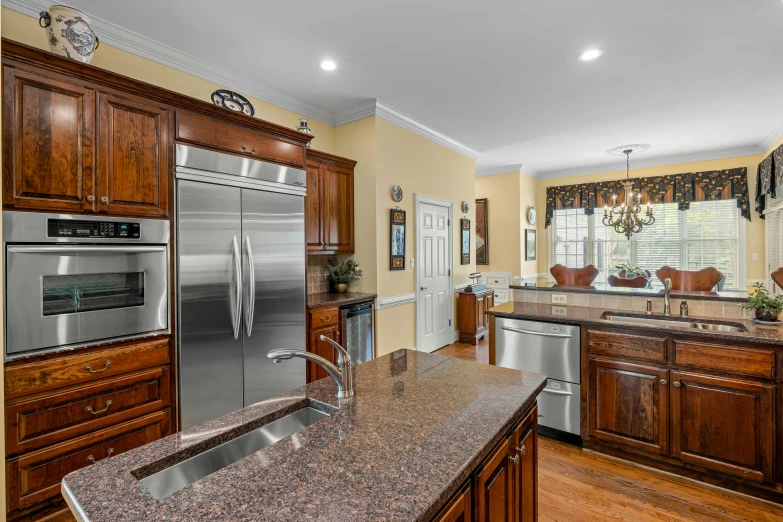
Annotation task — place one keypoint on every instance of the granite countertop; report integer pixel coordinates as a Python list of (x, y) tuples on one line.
[(603, 288), (335, 299), (418, 426), (757, 333)]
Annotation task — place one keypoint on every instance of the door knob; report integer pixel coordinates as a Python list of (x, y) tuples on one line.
[(664, 382), (90, 198), (424, 287), (676, 384), (104, 199)]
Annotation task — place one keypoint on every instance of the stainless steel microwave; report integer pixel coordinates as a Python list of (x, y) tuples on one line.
[(77, 280)]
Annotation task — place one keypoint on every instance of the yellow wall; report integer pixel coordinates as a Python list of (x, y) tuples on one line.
[(754, 231), (505, 231), (25, 30)]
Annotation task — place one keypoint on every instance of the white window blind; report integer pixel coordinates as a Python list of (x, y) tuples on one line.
[(708, 234)]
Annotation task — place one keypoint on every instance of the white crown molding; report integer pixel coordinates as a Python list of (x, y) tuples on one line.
[(770, 139), (134, 43), (506, 169), (376, 107), (395, 300)]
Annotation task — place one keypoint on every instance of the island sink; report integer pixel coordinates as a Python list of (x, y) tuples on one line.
[(165, 483), (673, 321)]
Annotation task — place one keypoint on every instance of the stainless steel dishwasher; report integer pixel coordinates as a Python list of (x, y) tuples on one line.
[(358, 334), (551, 349)]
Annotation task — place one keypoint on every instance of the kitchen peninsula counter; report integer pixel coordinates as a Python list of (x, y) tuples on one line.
[(419, 426)]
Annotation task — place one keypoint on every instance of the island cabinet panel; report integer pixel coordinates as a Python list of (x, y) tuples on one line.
[(738, 360), (48, 142), (35, 477), (524, 444), (329, 217), (322, 348), (494, 485), (628, 404), (133, 163), (613, 344), (459, 509), (723, 424), (473, 320)]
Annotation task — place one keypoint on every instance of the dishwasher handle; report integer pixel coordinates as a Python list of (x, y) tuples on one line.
[(531, 332), (556, 392)]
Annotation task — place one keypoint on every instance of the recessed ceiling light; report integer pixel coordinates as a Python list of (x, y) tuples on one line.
[(328, 65), (590, 54)]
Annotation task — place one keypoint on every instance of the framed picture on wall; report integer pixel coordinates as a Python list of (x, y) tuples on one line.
[(397, 257), (465, 240), (482, 231), (530, 244)]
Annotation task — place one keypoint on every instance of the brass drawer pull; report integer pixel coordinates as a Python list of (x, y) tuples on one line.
[(104, 199), (89, 409), (244, 149), (514, 459), (664, 382), (324, 319), (522, 450), (676, 384), (92, 460), (90, 198), (105, 367)]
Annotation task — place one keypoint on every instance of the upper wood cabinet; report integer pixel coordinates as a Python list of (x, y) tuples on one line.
[(48, 142), (329, 220), (133, 160)]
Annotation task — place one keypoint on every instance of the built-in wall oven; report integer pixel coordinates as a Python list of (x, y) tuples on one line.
[(76, 280)]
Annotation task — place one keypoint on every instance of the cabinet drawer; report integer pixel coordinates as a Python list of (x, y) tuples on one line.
[(626, 345), (73, 369), (735, 359), (324, 317), (58, 416), (236, 139), (35, 477), (502, 295), (497, 281)]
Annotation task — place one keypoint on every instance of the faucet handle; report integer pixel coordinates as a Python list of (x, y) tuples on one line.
[(668, 283), (342, 353)]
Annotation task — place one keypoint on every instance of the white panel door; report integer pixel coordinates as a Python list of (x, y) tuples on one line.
[(434, 295)]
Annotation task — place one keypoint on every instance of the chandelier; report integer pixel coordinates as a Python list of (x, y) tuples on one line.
[(626, 218)]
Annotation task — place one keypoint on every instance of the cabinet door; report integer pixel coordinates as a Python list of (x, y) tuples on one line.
[(723, 424), (525, 447), (48, 143), (494, 486), (322, 348), (459, 509), (628, 404), (481, 303), (314, 209), (337, 209), (133, 157)]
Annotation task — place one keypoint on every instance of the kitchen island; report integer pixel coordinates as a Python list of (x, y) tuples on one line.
[(425, 436)]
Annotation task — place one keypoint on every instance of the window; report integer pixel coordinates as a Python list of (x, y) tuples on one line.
[(707, 234)]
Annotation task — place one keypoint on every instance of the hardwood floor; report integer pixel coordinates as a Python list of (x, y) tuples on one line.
[(579, 486)]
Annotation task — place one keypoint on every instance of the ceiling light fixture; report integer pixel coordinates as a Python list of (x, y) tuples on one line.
[(328, 65), (625, 218), (590, 55)]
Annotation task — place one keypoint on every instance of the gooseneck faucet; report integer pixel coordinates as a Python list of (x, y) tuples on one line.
[(667, 288), (342, 373)]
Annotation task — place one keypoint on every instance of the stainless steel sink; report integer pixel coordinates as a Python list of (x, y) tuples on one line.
[(671, 321), (165, 483)]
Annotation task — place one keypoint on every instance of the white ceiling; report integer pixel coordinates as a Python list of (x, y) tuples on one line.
[(694, 78)]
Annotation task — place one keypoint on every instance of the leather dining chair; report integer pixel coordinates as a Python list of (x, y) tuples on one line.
[(703, 280), (777, 276), (619, 280), (574, 276)]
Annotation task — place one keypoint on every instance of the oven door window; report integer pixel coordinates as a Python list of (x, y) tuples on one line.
[(71, 294)]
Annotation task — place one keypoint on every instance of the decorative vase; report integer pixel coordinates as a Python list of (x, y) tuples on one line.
[(304, 129), (69, 33), (762, 314), (341, 288)]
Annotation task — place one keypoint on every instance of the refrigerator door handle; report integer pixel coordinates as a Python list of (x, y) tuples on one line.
[(238, 289), (251, 295)]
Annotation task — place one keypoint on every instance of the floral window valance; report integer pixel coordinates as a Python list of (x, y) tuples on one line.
[(769, 178), (679, 188)]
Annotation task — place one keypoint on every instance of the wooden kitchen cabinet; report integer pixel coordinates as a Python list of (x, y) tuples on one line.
[(494, 485), (133, 164), (524, 443), (629, 405), (723, 424), (329, 217), (473, 321), (322, 348), (48, 142), (459, 509)]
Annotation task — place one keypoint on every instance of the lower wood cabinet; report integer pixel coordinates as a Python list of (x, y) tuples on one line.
[(495, 485), (459, 509), (473, 322), (322, 348), (525, 443)]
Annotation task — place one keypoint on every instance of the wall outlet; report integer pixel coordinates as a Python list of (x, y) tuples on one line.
[(754, 256), (560, 299), (559, 310), (413, 264)]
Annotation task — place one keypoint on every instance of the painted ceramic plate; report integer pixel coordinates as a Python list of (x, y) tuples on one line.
[(465, 207), (397, 193), (531, 216), (233, 101)]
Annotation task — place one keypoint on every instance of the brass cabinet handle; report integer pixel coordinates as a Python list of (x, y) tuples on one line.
[(676, 384), (244, 149), (105, 367), (91, 199), (665, 382), (92, 460), (522, 450), (324, 319), (104, 199), (89, 409), (254, 150), (514, 459)]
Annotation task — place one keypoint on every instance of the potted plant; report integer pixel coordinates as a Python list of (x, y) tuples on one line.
[(342, 274), (630, 272), (767, 307)]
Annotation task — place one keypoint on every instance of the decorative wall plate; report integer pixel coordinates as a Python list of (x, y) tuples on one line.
[(233, 101), (531, 215), (465, 207), (397, 193)]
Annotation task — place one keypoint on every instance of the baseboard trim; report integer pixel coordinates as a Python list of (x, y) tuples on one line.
[(395, 300)]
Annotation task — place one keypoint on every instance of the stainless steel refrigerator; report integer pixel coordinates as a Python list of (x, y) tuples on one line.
[(240, 280)]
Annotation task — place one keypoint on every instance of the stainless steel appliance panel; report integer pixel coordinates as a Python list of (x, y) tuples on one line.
[(209, 301), (550, 349), (273, 246), (559, 406), (358, 335)]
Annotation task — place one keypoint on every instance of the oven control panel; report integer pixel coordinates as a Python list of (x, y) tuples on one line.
[(93, 229)]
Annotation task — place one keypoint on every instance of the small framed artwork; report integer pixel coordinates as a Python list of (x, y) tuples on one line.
[(530, 244), (397, 257), (482, 231), (465, 239)]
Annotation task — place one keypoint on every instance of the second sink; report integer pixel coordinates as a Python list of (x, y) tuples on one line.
[(673, 321)]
